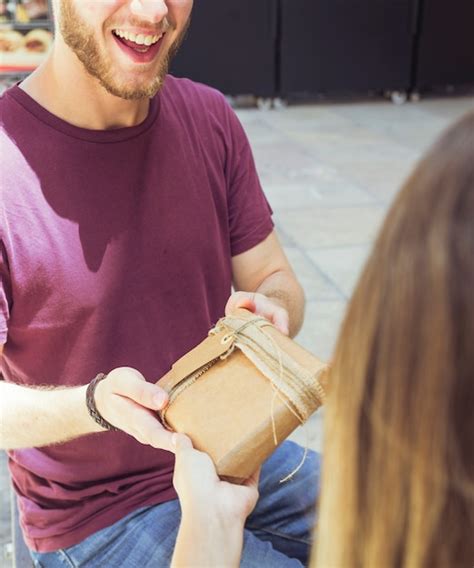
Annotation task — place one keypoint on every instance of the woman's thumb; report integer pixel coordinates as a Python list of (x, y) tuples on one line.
[(181, 442)]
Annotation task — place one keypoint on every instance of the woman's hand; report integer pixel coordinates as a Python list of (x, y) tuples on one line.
[(200, 489), (211, 532)]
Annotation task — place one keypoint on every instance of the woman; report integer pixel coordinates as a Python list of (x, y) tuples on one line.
[(398, 473)]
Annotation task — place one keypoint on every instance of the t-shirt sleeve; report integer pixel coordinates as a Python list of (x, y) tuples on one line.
[(5, 295), (250, 215)]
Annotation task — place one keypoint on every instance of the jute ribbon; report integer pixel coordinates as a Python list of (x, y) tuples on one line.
[(299, 390)]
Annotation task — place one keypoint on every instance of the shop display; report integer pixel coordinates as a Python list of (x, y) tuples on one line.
[(25, 35), (241, 392), (31, 10), (4, 12)]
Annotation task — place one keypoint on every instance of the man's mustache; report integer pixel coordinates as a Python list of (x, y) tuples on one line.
[(164, 26)]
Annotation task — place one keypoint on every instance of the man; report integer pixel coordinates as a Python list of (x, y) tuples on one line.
[(130, 204)]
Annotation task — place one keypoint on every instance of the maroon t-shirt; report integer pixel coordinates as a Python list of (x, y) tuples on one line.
[(116, 251)]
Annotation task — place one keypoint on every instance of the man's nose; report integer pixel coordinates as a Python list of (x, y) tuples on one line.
[(152, 10)]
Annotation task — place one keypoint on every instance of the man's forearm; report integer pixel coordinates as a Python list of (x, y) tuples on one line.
[(283, 288), (33, 417)]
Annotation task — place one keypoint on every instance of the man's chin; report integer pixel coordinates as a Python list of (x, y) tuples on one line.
[(133, 92)]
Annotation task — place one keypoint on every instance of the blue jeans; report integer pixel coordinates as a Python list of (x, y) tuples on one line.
[(278, 533)]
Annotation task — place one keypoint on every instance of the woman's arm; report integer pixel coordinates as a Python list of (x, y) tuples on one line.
[(204, 540), (213, 511)]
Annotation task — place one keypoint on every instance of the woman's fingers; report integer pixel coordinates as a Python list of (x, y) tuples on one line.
[(181, 442), (253, 480)]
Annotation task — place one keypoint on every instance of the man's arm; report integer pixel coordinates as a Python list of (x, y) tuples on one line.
[(34, 417), (266, 284)]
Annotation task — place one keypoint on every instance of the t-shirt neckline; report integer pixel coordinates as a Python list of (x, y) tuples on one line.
[(99, 136)]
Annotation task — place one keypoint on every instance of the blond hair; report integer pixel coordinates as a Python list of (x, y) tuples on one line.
[(398, 467)]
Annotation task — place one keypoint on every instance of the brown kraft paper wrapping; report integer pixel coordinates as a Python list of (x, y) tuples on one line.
[(229, 406)]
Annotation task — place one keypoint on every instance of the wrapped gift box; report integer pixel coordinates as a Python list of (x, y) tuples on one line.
[(241, 392)]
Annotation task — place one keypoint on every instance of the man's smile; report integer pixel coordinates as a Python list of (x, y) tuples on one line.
[(140, 47), (126, 45)]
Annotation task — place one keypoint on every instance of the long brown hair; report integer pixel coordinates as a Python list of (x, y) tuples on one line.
[(398, 471)]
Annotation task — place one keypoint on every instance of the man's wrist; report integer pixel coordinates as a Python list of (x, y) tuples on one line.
[(283, 299), (91, 404), (89, 425), (279, 299)]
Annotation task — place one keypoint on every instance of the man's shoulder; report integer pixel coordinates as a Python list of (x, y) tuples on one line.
[(8, 110), (194, 95), (9, 152), (12, 117), (5, 103), (12, 161), (7, 99)]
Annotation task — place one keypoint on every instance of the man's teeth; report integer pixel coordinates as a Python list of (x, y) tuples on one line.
[(139, 39)]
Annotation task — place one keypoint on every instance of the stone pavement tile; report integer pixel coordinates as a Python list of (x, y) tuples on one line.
[(290, 195), (377, 122), (275, 159), (283, 237), (316, 285), (366, 159), (342, 265), (309, 118), (381, 178), (376, 165), (321, 144), (258, 128), (315, 227), (408, 125), (450, 108), (356, 143), (317, 185), (321, 326)]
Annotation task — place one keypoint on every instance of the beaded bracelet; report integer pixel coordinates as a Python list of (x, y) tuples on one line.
[(91, 407)]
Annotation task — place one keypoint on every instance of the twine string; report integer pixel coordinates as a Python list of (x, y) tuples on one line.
[(292, 384), (275, 394)]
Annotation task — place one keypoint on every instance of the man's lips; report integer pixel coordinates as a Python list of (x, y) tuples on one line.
[(139, 53)]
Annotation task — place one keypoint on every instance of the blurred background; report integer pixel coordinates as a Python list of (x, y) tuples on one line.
[(294, 49), (339, 99)]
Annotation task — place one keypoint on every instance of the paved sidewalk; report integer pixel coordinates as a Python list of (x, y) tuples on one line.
[(330, 172)]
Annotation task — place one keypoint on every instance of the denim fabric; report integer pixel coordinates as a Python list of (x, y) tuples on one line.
[(278, 533)]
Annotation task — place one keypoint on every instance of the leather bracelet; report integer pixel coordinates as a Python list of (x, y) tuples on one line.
[(91, 407)]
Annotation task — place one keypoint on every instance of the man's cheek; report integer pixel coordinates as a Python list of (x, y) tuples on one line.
[(181, 9), (98, 9)]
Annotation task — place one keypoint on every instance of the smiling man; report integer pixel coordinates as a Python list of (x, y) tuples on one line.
[(130, 54), (130, 206)]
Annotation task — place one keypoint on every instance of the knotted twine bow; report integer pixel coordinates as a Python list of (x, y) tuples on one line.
[(299, 390)]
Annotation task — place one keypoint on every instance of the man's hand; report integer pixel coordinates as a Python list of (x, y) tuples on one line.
[(275, 292), (260, 305), (129, 402)]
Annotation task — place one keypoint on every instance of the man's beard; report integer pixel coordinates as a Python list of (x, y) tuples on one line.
[(79, 36)]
